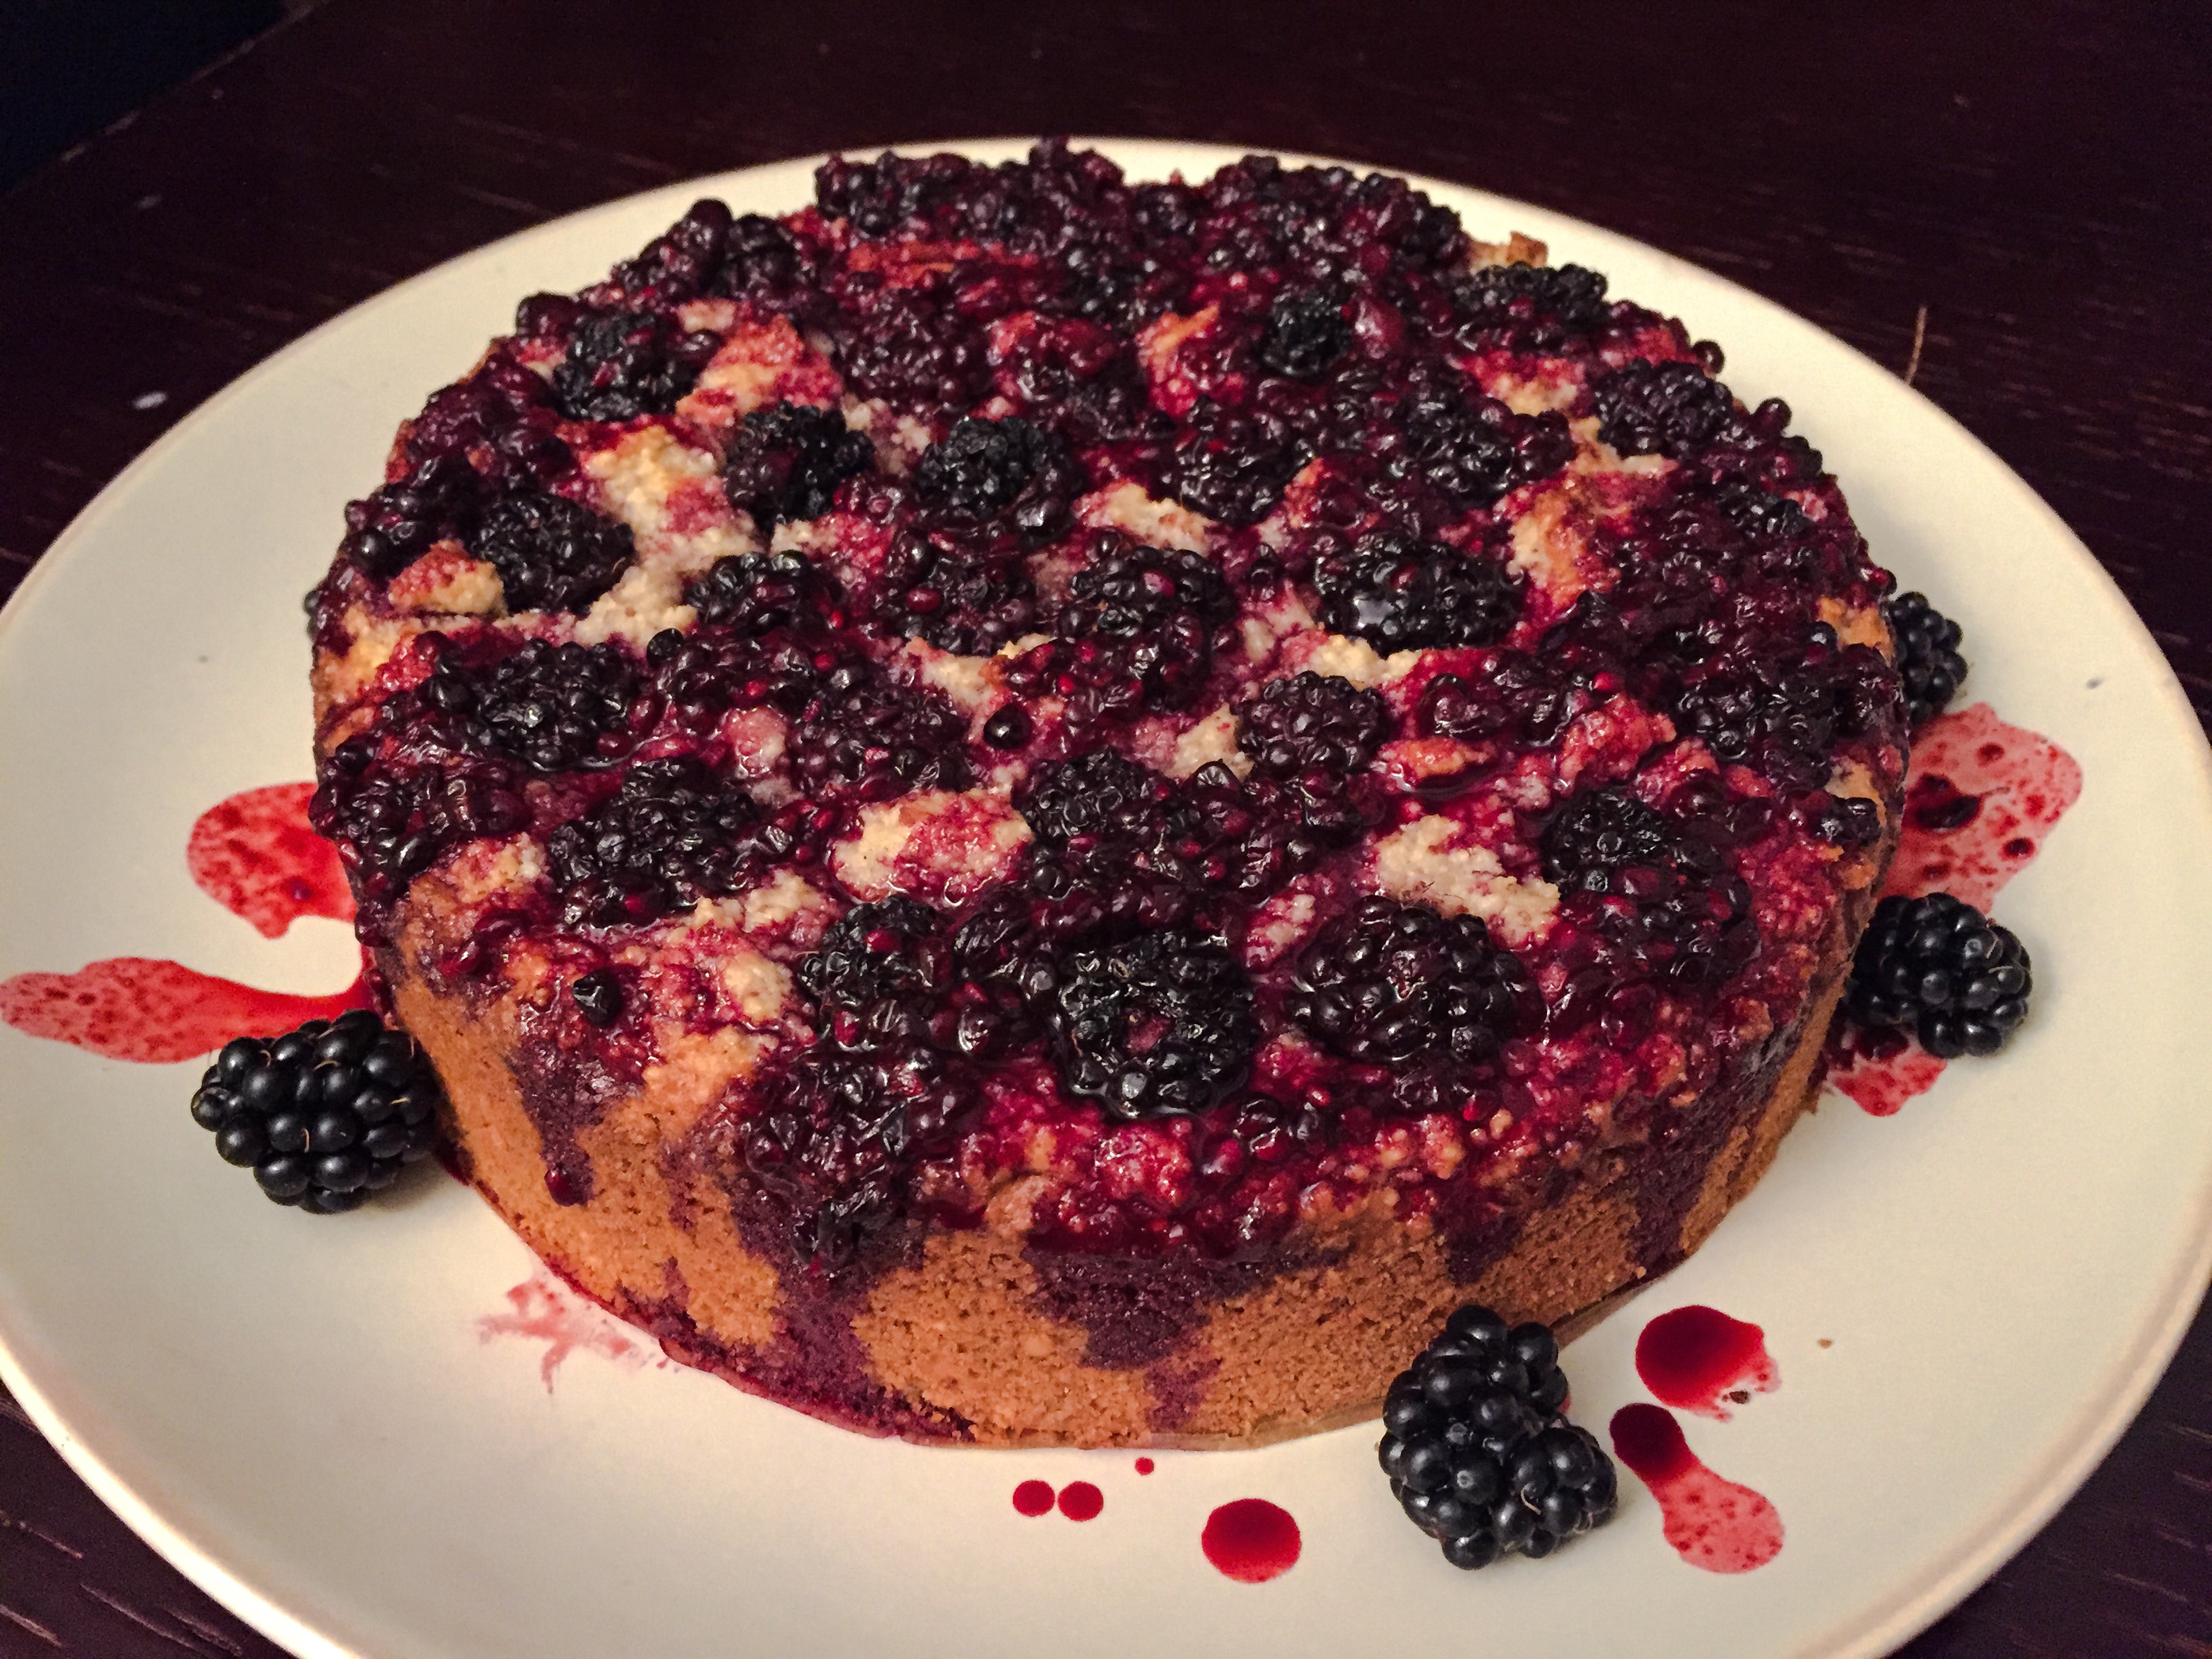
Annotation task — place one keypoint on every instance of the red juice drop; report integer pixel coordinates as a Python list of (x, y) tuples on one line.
[(1713, 1523), (145, 1009), (1689, 1359), (1081, 1501), (1034, 1498), (1145, 1466), (1251, 1540)]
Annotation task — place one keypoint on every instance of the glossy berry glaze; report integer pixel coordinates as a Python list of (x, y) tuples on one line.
[(1712, 1522), (1698, 1359), (1221, 705)]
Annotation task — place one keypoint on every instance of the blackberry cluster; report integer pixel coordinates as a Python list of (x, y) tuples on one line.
[(551, 706), (397, 817), (1672, 408), (1306, 332), (785, 463), (1136, 632), (1600, 833), (1782, 716), (551, 554), (1514, 695), (1450, 441), (751, 593), (1161, 1024), (1939, 967), (1231, 467), (1534, 307), (859, 733), (1311, 722), (890, 951), (672, 834), (703, 674), (622, 364), (959, 596), (324, 1115), (1400, 595), (1927, 658), (986, 469), (396, 524), (1095, 795), (1479, 1454), (1390, 984)]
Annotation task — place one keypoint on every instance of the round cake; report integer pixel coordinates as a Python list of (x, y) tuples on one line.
[(1021, 808)]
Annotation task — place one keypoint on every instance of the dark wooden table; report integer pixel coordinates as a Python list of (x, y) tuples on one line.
[(2028, 175)]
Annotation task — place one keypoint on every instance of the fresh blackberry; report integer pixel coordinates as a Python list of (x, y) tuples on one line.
[(1387, 984), (1927, 658), (622, 364), (1450, 441), (1306, 332), (750, 594), (672, 834), (551, 554), (984, 469), (891, 949), (1230, 468), (1541, 305), (961, 597), (548, 705), (861, 733), (785, 463), (1938, 967), (1599, 832), (1158, 1025), (1672, 409), (324, 1115), (1398, 594), (1478, 1452), (1312, 722)]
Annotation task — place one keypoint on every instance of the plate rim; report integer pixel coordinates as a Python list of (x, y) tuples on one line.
[(1876, 1629)]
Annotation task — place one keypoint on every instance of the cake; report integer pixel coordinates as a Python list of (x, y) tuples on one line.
[(1024, 809)]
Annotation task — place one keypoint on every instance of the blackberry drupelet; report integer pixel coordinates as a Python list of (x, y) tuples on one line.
[(984, 469), (1600, 832), (672, 834), (551, 554), (599, 996), (1478, 1452), (750, 594), (1400, 595), (1388, 984), (1161, 1024), (1306, 332), (1312, 722), (785, 463), (324, 1115), (1939, 967), (622, 364), (547, 706), (1672, 409), (1927, 658)]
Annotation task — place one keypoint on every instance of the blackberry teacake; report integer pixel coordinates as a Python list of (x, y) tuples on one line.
[(1161, 1024), (1400, 594), (786, 462), (1478, 1451), (1312, 722), (1389, 984), (1938, 966), (550, 554), (1927, 658), (324, 1115)]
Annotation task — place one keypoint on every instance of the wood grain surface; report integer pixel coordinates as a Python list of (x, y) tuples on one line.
[(2029, 177)]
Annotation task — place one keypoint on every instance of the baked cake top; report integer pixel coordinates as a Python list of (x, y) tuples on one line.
[(1150, 715)]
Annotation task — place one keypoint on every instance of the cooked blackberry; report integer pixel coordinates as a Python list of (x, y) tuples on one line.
[(622, 364), (397, 523), (861, 733), (1388, 983), (548, 705), (1009, 728), (785, 463), (750, 594), (1136, 632), (1398, 594), (672, 834), (551, 554), (1927, 658), (1161, 1024), (1782, 716), (1125, 590), (983, 469), (1938, 967), (679, 263), (1312, 722), (324, 1115), (1451, 442), (961, 597), (1478, 1452), (1672, 409), (1599, 832), (1514, 694), (893, 948), (1542, 304), (704, 673), (1101, 794), (1230, 468), (1306, 332), (397, 815), (599, 996)]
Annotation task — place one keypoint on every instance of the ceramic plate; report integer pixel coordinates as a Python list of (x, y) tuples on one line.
[(381, 1436)]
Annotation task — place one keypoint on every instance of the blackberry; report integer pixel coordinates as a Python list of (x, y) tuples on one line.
[(1099, 794), (1160, 1024), (1599, 832), (1938, 967), (551, 554), (1387, 984), (672, 834), (1542, 305), (1478, 1452), (1514, 694), (622, 364), (1468, 448), (701, 675), (1231, 469), (985, 469), (785, 463), (750, 594), (891, 949), (393, 818), (1398, 594), (1312, 722), (1672, 409), (551, 706), (397, 523), (1306, 332), (1783, 716), (324, 1115), (1927, 658), (679, 263), (960, 598), (1137, 631), (858, 732)]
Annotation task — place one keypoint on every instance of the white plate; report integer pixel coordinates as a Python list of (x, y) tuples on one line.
[(307, 1417)]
